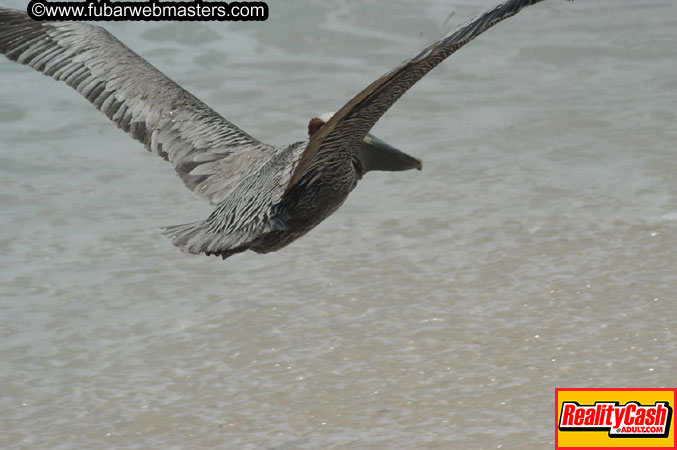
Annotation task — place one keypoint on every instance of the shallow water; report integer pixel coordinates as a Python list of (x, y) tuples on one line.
[(435, 309)]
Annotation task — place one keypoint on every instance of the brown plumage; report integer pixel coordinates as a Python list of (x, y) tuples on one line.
[(314, 125)]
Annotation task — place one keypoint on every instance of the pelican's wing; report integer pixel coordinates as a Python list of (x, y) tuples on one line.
[(346, 129), (210, 154)]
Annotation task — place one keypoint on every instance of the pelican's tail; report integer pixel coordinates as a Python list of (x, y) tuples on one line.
[(196, 238)]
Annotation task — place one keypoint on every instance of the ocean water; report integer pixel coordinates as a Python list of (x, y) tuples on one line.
[(435, 309)]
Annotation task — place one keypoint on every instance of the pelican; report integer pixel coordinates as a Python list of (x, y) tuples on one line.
[(265, 196)]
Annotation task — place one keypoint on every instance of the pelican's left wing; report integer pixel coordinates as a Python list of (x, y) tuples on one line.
[(210, 154), (346, 129)]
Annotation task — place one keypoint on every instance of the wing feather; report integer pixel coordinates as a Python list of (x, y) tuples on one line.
[(209, 153), (346, 129)]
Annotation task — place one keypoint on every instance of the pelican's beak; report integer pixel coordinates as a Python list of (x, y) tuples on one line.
[(374, 154)]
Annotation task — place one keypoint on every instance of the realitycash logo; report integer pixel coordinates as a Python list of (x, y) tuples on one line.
[(614, 418), (629, 420)]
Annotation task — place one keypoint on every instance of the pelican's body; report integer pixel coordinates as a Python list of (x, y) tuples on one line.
[(316, 196), (265, 196)]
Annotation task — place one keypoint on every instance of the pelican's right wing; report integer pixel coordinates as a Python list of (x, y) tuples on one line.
[(348, 127), (210, 154)]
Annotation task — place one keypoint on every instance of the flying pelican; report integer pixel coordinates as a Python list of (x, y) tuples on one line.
[(265, 196)]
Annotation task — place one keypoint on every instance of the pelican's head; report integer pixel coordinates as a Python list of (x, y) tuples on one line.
[(317, 122), (373, 153)]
